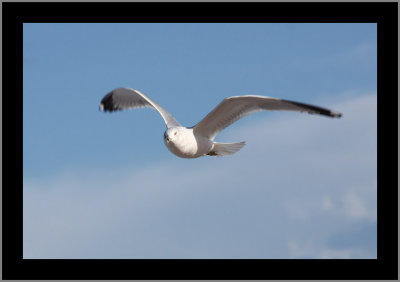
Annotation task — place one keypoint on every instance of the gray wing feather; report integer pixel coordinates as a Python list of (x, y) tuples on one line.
[(233, 108), (127, 98)]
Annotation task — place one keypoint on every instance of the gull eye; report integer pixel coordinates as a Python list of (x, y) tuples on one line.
[(175, 133)]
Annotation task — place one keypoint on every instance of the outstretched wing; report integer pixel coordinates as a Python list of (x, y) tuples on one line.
[(233, 108), (127, 98)]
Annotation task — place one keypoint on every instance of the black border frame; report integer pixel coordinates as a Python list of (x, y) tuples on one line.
[(384, 14)]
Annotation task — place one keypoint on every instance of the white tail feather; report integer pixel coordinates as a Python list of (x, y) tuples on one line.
[(225, 149)]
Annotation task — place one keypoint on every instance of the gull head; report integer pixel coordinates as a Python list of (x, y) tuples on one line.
[(171, 134)]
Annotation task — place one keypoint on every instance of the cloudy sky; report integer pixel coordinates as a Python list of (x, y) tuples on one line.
[(102, 185)]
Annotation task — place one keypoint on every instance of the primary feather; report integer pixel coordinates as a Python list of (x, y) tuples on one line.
[(233, 108), (127, 98)]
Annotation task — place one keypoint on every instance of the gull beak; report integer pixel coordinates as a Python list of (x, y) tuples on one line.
[(168, 140)]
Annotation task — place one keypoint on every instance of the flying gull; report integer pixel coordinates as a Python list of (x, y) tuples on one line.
[(197, 141)]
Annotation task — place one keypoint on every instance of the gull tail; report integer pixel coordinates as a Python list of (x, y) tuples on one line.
[(225, 149)]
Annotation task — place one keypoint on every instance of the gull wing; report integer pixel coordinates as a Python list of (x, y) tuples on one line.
[(127, 98), (233, 108)]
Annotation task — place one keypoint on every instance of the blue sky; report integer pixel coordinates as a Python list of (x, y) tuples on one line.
[(102, 185)]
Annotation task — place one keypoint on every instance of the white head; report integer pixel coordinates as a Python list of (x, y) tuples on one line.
[(171, 134)]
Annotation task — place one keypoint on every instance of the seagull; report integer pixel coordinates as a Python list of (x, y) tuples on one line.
[(197, 141)]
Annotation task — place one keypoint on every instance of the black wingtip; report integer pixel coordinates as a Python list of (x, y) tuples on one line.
[(104, 109), (107, 103), (335, 114)]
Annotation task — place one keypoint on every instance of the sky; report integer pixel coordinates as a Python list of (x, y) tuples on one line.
[(101, 185)]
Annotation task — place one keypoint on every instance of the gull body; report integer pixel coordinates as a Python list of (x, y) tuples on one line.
[(198, 140)]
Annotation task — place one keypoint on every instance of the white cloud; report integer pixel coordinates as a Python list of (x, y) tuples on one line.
[(360, 203), (312, 250), (327, 203), (299, 177)]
